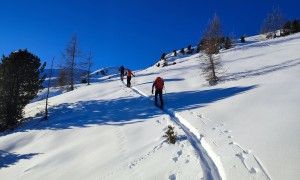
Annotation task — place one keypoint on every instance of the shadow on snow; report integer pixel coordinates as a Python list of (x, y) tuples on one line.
[(122, 111), (116, 112), (166, 80), (195, 99), (261, 71), (9, 159)]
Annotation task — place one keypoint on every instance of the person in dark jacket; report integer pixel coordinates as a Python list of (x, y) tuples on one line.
[(122, 70), (159, 85)]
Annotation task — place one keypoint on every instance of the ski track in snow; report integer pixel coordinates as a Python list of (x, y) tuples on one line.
[(132, 164), (144, 157), (260, 165), (211, 170), (248, 160), (210, 162)]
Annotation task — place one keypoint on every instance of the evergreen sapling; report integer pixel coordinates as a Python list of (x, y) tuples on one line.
[(170, 135)]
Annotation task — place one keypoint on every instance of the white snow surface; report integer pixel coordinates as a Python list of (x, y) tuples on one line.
[(245, 127)]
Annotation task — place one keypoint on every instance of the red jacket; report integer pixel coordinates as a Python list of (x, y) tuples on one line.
[(158, 83), (129, 73)]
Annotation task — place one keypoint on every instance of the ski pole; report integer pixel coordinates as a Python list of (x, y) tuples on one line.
[(165, 94), (133, 80)]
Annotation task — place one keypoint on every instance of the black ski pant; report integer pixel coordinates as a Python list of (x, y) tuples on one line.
[(128, 81), (122, 75), (159, 92)]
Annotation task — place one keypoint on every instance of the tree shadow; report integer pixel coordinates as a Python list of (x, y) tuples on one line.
[(149, 82), (246, 57), (166, 80), (196, 99), (121, 111), (260, 71), (115, 112), (173, 79), (9, 159), (146, 74)]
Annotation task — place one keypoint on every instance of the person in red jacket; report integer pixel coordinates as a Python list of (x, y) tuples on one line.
[(129, 74), (159, 85)]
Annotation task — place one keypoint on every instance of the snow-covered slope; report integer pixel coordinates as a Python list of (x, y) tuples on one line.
[(106, 72), (245, 127)]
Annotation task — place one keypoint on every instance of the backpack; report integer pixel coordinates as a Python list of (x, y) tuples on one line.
[(129, 73), (159, 83)]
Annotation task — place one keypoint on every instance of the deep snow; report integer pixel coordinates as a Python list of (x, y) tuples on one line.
[(245, 127)]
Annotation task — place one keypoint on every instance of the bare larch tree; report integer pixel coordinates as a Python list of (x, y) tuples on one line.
[(70, 56), (88, 64), (272, 23), (211, 47)]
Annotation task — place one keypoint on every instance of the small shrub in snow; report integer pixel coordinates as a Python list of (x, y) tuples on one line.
[(243, 39), (165, 63), (228, 43), (286, 28), (182, 51), (103, 72), (163, 56), (190, 50), (198, 49), (296, 26), (175, 53), (171, 135)]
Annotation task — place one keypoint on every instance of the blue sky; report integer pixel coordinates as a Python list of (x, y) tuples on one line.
[(133, 33)]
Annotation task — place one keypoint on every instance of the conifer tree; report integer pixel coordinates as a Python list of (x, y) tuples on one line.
[(175, 53), (189, 49), (296, 26), (163, 56), (20, 82), (228, 43), (287, 28), (182, 51), (243, 39), (171, 135)]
